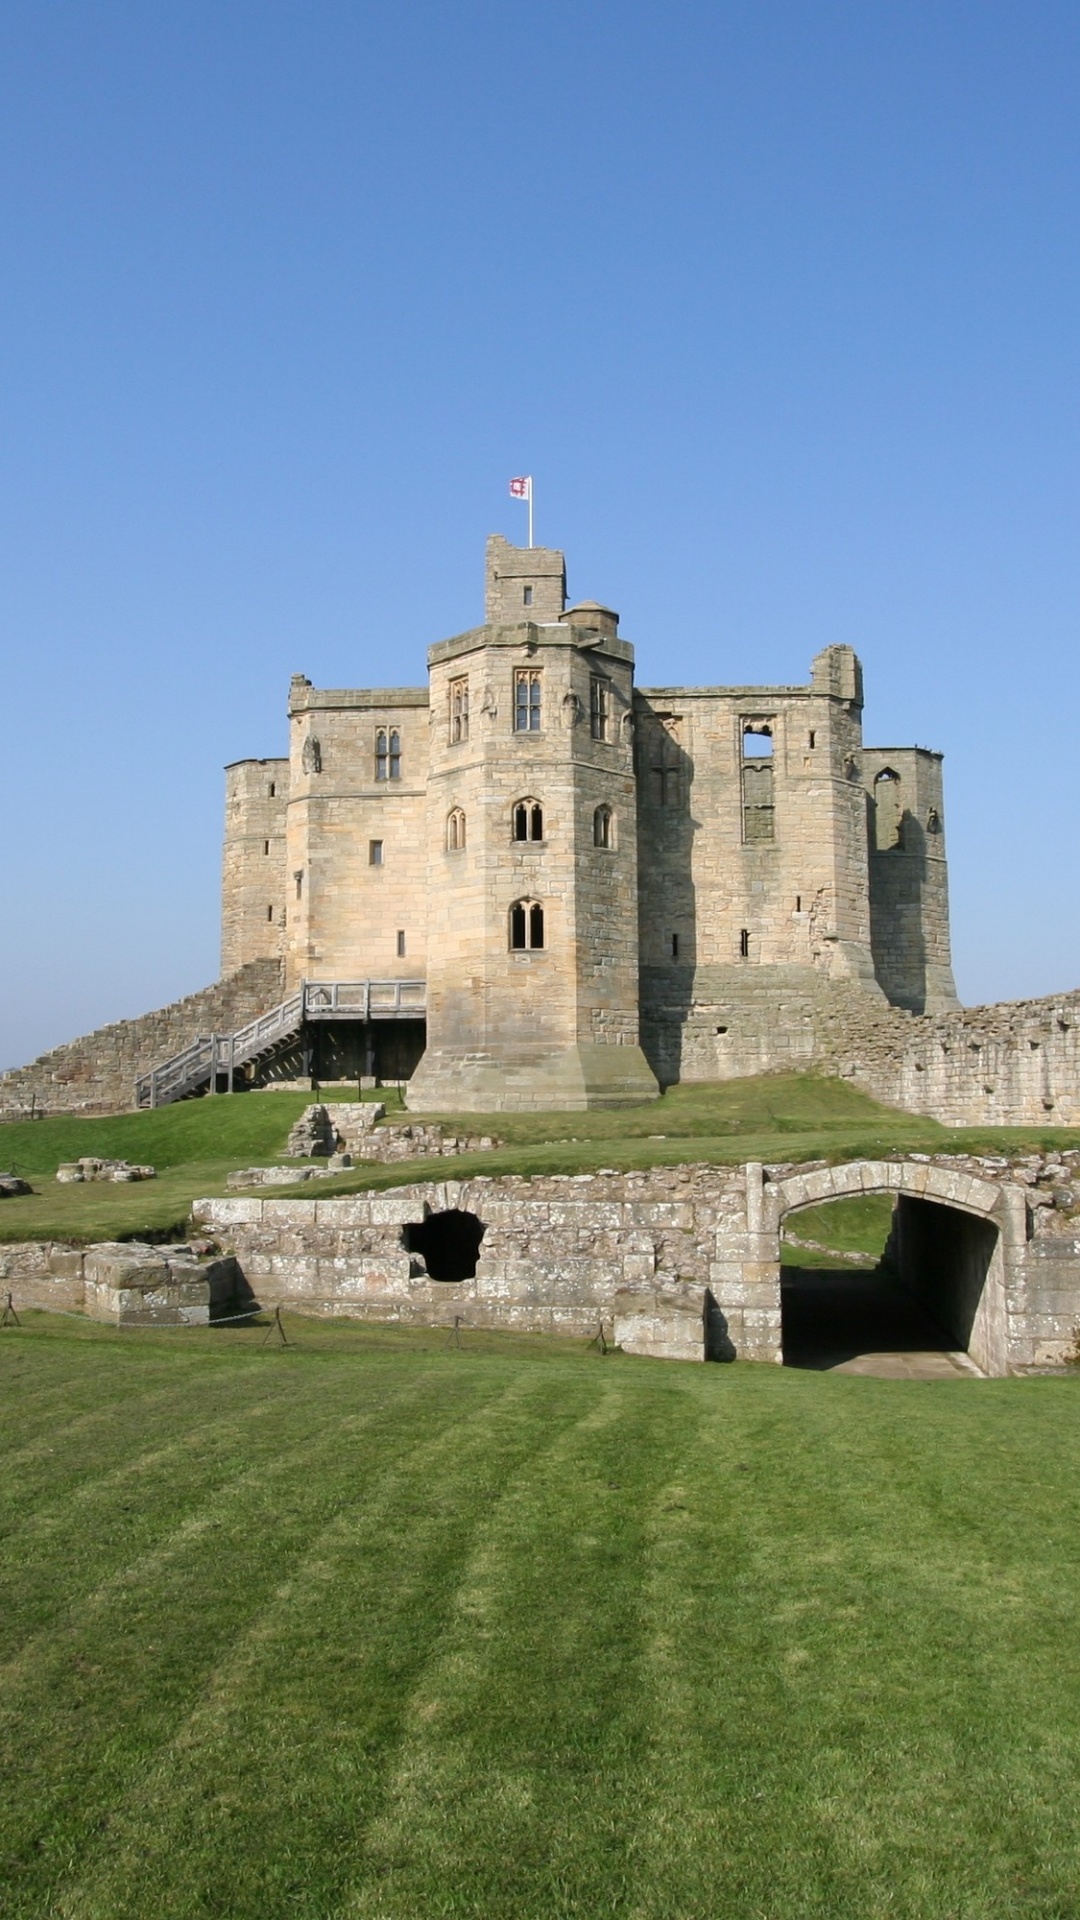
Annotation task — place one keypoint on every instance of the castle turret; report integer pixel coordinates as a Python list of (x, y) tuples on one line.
[(532, 979)]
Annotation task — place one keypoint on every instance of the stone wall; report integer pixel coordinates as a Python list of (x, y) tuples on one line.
[(1013, 1064), (97, 1074), (679, 1262), (253, 877), (124, 1283)]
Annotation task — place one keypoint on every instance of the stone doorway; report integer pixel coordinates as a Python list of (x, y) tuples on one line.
[(934, 1303)]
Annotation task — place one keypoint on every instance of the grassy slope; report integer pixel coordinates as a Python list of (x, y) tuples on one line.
[(366, 1627), (197, 1143)]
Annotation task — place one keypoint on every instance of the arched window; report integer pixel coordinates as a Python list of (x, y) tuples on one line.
[(527, 820), (888, 810), (388, 754), (603, 827), (526, 926), (455, 831)]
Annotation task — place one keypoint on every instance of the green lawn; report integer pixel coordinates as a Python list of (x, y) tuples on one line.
[(197, 1143), (370, 1628)]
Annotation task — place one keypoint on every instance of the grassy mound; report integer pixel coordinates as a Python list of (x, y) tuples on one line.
[(369, 1627), (197, 1143)]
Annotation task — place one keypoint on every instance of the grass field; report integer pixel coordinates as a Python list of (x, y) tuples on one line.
[(197, 1143), (369, 1628)]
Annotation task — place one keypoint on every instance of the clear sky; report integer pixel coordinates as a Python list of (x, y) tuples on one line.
[(777, 299)]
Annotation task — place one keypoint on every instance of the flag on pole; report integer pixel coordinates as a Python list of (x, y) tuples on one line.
[(521, 489)]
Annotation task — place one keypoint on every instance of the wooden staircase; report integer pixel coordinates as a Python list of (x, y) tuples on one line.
[(215, 1055)]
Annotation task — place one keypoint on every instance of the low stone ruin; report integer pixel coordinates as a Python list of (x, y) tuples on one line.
[(352, 1127), (11, 1186), (90, 1168), (127, 1283)]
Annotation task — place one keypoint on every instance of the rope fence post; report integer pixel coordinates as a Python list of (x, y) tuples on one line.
[(276, 1327), (9, 1317)]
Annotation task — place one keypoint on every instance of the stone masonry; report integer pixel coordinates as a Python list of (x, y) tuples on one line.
[(681, 1262), (97, 1073)]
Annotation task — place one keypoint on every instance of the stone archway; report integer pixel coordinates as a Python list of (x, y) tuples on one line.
[(951, 1240)]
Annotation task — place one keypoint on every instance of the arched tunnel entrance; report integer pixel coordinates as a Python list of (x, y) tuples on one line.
[(933, 1294)]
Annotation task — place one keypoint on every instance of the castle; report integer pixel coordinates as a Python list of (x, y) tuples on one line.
[(591, 887)]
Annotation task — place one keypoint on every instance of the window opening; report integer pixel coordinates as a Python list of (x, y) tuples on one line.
[(401, 944), (759, 816), (526, 926), (528, 820), (388, 754), (603, 827), (528, 682), (266, 846), (888, 810), (674, 946), (374, 853), (811, 739), (272, 788), (744, 944), (447, 1243), (527, 596), (269, 913), (459, 710), (798, 903), (598, 707), (665, 768), (455, 830), (299, 879)]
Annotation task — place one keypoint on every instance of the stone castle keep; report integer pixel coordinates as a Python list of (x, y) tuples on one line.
[(587, 876), (532, 884)]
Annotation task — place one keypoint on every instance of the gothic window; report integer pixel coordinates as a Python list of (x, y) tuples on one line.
[(528, 683), (603, 827), (599, 694), (665, 766), (528, 820), (759, 813), (459, 710), (455, 831), (526, 926), (888, 811), (388, 754)]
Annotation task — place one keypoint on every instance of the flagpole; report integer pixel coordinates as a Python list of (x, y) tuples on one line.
[(530, 510)]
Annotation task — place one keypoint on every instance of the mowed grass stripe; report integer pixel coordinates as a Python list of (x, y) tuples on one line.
[(314, 1694), (515, 1786), (91, 1698), (514, 1634), (852, 1743)]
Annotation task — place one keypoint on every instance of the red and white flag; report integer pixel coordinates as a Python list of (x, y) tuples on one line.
[(521, 488)]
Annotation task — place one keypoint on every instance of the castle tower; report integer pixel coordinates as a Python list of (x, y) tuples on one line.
[(532, 974)]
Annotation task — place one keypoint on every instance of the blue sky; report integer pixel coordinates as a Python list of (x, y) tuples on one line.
[(777, 300)]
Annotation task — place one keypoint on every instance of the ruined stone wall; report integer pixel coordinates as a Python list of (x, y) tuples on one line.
[(682, 1261), (559, 1254), (909, 886), (97, 1074)]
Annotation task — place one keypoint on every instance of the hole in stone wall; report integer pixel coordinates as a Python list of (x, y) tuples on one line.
[(448, 1243)]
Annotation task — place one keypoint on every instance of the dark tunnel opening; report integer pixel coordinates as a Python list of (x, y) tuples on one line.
[(447, 1243), (922, 1297)]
